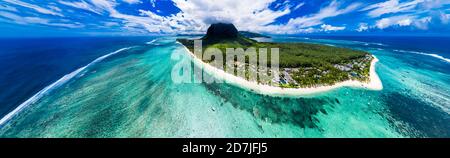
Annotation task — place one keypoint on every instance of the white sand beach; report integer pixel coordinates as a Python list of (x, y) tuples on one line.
[(374, 84)]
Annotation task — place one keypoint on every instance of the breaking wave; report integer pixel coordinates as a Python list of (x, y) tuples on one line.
[(55, 85)]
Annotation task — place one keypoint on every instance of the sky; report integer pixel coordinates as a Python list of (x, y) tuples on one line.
[(162, 17)]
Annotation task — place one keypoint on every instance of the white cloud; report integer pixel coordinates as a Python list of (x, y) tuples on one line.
[(153, 2), (132, 1), (384, 23), (327, 28), (36, 20), (331, 10), (391, 6), (307, 30), (441, 20), (420, 14), (66, 25), (362, 27), (414, 21), (422, 23), (255, 15), (403, 20), (432, 4), (7, 8), (55, 8), (395, 6), (20, 19), (297, 25), (196, 15), (444, 18), (34, 7), (110, 24), (82, 5), (298, 6), (147, 20)]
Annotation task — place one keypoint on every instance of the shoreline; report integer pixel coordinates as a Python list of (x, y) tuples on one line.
[(374, 84)]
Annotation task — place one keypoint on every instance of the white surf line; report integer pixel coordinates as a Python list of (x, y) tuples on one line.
[(427, 54), (434, 55), (151, 42), (54, 85)]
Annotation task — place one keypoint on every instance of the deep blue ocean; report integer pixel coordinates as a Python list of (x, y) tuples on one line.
[(435, 45), (131, 94), (30, 64)]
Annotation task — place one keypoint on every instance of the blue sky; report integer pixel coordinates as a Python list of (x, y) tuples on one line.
[(152, 17)]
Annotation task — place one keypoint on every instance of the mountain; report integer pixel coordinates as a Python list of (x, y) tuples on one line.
[(221, 31), (228, 31), (225, 33)]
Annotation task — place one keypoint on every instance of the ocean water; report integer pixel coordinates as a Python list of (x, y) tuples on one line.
[(130, 93), (28, 65)]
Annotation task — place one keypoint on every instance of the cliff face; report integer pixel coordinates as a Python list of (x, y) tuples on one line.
[(221, 31)]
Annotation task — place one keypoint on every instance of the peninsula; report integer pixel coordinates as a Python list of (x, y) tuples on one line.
[(303, 68)]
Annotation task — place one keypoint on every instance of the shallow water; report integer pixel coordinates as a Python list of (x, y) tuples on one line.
[(131, 94)]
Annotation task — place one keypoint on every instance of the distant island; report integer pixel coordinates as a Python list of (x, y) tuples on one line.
[(304, 68), (249, 34)]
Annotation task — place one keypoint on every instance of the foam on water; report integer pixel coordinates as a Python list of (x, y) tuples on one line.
[(54, 85), (152, 42), (427, 54)]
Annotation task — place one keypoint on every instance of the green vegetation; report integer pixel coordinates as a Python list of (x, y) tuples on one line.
[(301, 64)]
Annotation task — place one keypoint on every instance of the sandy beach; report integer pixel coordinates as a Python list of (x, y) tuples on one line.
[(374, 84)]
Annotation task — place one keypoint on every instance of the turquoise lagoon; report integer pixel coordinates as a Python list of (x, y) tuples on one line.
[(131, 94)]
